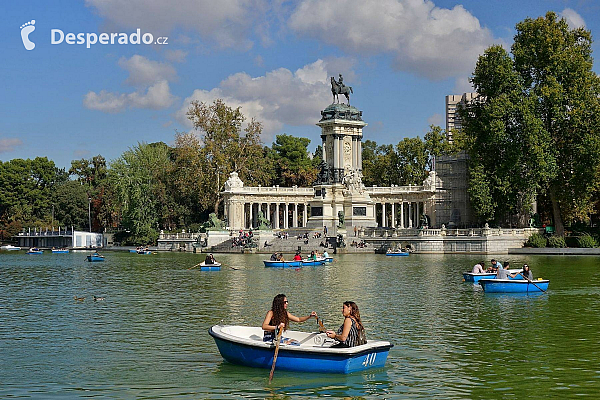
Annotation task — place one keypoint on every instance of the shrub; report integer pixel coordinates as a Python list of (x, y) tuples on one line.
[(556, 241), (586, 241), (536, 240)]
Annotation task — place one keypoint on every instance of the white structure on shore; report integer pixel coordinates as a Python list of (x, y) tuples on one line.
[(339, 193)]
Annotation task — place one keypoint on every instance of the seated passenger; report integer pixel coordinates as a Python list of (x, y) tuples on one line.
[(278, 317), (478, 268), (297, 257), (526, 273), (352, 331), (274, 257)]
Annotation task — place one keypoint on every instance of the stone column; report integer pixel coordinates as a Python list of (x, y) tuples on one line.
[(336, 155), (360, 153), (250, 215), (286, 221), (295, 220), (383, 215), (354, 159), (393, 215), (304, 215), (277, 216), (410, 215), (323, 143), (269, 214), (402, 215)]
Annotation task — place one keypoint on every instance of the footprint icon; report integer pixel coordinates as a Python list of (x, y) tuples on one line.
[(26, 29)]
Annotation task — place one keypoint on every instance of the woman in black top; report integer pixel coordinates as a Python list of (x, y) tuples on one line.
[(279, 317)]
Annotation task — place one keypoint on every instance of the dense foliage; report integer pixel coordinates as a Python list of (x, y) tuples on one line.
[(534, 132)]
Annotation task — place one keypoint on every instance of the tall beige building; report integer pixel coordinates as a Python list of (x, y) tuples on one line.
[(453, 101)]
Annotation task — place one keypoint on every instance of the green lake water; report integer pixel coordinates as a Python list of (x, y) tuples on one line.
[(149, 337)]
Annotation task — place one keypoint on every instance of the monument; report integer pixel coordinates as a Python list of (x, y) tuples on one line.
[(339, 187)]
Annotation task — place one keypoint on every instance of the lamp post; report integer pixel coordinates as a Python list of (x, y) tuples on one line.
[(90, 213)]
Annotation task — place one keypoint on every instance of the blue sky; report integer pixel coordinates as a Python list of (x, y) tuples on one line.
[(274, 59)]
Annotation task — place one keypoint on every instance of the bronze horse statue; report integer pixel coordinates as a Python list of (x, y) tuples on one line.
[(338, 89)]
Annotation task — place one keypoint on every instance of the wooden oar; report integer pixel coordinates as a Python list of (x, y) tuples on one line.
[(195, 265), (278, 340), (530, 281)]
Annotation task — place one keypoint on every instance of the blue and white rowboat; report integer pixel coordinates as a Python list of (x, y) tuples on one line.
[(60, 251), (397, 253), (210, 267), (283, 264), (513, 285), (95, 258), (35, 250), (307, 352), (312, 263), (475, 278)]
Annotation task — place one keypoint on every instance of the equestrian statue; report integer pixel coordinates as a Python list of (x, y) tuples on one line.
[(338, 88)]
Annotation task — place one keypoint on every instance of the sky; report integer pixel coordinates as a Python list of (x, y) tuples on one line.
[(68, 101)]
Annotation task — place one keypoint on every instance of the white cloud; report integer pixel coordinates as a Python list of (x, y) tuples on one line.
[(157, 96), (462, 85), (177, 56), (150, 78), (277, 98), (143, 72), (9, 144), (574, 20), (226, 23), (423, 39)]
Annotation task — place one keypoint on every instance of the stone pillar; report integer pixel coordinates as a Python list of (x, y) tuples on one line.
[(360, 153), (354, 159), (402, 215), (304, 215), (295, 220), (286, 221), (410, 215), (277, 216), (323, 143), (336, 156), (393, 215), (383, 215)]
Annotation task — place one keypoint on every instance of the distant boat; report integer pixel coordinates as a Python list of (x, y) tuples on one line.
[(210, 267), (514, 285), (282, 264), (35, 250), (300, 351), (133, 250), (144, 252), (60, 251), (10, 247), (95, 257), (397, 253)]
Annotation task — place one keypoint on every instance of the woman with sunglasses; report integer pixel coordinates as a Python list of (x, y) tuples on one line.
[(279, 316), (352, 331)]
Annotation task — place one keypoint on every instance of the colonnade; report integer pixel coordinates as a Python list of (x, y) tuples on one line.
[(275, 213), (400, 215)]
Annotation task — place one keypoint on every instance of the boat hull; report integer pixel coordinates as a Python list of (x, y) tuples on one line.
[(282, 264), (210, 267), (35, 252), (95, 258), (513, 285), (398, 254), (60, 251), (312, 263), (10, 248), (295, 358)]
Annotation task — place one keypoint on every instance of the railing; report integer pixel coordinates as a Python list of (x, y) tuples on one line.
[(181, 235), (274, 189), (470, 232), (62, 232), (393, 189)]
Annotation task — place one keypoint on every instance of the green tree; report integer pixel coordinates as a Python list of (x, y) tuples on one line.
[(535, 128), (227, 148), (70, 201), (293, 164)]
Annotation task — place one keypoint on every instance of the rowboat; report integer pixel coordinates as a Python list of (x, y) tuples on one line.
[(133, 250), (144, 252), (210, 267), (391, 253), (35, 250), (10, 247), (60, 251), (311, 263), (514, 285), (298, 351), (325, 259), (475, 278), (95, 258), (282, 264)]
